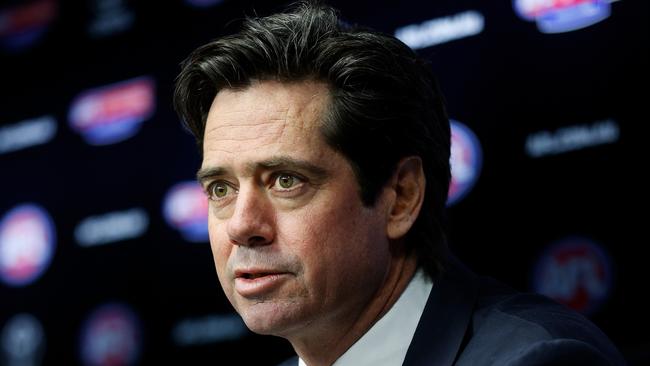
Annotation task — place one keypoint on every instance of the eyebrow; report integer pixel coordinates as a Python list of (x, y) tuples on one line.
[(277, 163)]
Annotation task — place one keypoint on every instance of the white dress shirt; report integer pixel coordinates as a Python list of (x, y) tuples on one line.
[(386, 342)]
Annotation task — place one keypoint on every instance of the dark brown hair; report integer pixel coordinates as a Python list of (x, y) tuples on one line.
[(385, 101)]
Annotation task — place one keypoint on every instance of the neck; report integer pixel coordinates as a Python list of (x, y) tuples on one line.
[(328, 346)]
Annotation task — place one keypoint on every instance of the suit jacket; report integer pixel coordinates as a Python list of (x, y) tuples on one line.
[(472, 320)]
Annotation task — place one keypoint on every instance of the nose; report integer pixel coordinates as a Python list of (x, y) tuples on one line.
[(251, 223)]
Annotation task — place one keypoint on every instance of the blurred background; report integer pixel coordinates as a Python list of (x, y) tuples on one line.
[(104, 256)]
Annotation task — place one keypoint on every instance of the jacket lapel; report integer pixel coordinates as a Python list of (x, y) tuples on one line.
[(442, 327)]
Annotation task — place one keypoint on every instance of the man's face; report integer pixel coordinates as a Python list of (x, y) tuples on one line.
[(294, 247)]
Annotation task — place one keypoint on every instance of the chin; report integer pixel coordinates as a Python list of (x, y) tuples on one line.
[(269, 319)]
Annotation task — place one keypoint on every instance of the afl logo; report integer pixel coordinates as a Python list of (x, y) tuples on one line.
[(113, 113), (186, 209), (575, 272), (557, 16), (111, 336), (23, 25), (466, 161), (27, 241)]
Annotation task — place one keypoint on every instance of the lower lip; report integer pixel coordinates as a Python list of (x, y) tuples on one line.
[(252, 287)]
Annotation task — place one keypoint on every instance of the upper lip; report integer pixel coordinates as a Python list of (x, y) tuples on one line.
[(255, 272)]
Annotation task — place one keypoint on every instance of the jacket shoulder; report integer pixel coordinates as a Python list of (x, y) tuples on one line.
[(511, 328), (565, 352)]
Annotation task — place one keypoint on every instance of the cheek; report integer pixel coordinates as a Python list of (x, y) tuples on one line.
[(339, 238), (220, 246)]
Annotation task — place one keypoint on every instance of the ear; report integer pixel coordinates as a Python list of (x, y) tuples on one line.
[(407, 185)]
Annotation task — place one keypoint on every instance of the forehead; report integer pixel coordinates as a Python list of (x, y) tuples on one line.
[(267, 117)]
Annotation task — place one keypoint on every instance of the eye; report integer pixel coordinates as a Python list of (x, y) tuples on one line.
[(218, 190), (284, 182)]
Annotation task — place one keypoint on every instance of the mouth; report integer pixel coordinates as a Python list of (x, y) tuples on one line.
[(259, 283), (251, 274)]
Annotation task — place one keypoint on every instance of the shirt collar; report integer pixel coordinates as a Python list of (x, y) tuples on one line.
[(387, 341)]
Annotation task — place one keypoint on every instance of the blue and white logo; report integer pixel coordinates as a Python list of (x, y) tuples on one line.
[(113, 113), (466, 161), (27, 243), (111, 336), (186, 209), (557, 16), (576, 272)]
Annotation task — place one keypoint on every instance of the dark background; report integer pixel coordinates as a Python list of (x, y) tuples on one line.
[(506, 83)]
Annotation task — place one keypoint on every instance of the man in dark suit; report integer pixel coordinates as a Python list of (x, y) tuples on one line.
[(326, 162)]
